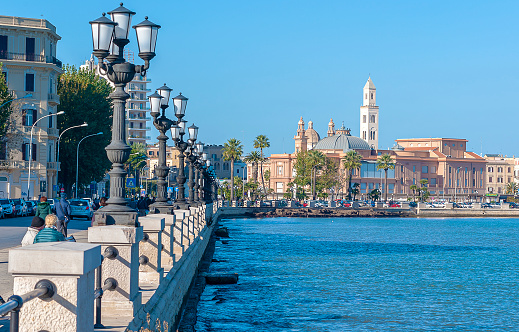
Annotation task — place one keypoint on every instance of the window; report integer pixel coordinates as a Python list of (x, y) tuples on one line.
[(490, 169), (461, 145), (50, 120), (363, 188), (490, 189), (473, 170), (509, 171), (453, 145), (26, 151), (489, 179), (280, 170), (237, 171), (372, 119), (466, 182), (279, 187), (432, 181), (499, 190), (450, 182), (363, 119), (414, 181), (433, 169), (3, 47), (29, 82), (390, 188), (372, 95), (432, 192), (425, 169), (500, 169), (414, 169), (29, 49), (499, 180), (365, 96), (364, 135), (150, 153), (450, 169), (466, 170), (370, 186), (28, 117), (225, 166)]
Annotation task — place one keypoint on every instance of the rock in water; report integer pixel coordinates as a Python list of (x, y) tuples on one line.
[(222, 232), (221, 279)]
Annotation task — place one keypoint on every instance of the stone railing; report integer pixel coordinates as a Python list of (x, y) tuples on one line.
[(137, 276)]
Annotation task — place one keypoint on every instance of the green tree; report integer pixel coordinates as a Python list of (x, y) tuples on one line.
[(355, 190), (385, 162), (511, 188), (261, 142), (232, 150), (254, 158), (303, 169), (317, 161), (424, 193), (7, 108), (351, 162), (414, 188), (267, 178), (83, 96), (374, 194), (328, 178), (137, 160)]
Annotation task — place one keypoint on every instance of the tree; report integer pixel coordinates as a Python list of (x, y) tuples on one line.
[(328, 176), (137, 160), (355, 190), (374, 194), (261, 142), (424, 193), (232, 150), (414, 188), (6, 109), (511, 188), (303, 170), (267, 178), (83, 95), (351, 162), (254, 158), (317, 160), (385, 162)]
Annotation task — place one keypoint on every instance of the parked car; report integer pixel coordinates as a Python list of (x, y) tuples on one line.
[(413, 204), (20, 207), (52, 202), (31, 207), (81, 208), (514, 205), (8, 207), (1, 212), (486, 205)]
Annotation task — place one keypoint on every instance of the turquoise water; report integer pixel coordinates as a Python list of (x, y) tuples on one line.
[(365, 274)]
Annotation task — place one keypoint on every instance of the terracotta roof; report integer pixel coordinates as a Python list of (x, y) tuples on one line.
[(474, 155), (420, 148), (438, 153)]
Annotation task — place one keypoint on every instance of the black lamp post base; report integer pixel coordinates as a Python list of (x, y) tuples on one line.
[(124, 218), (182, 206), (162, 208)]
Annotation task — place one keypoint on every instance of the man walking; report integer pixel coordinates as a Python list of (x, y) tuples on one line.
[(63, 214)]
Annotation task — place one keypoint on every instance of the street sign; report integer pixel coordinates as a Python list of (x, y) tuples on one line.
[(62, 190), (143, 192), (170, 190), (130, 183), (176, 189)]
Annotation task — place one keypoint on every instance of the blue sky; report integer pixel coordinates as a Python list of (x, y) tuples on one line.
[(441, 68)]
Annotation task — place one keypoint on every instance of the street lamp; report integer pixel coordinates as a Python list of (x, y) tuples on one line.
[(77, 157), (59, 140), (456, 182), (30, 150), (160, 101), (120, 72), (177, 134), (29, 95), (191, 154)]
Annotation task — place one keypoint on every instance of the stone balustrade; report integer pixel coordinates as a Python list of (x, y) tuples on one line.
[(144, 294)]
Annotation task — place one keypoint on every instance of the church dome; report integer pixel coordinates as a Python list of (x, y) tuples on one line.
[(342, 142)]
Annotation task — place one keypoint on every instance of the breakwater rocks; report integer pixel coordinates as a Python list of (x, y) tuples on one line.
[(327, 213)]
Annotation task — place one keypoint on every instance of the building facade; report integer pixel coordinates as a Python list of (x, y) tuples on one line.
[(28, 54), (500, 172), (450, 171)]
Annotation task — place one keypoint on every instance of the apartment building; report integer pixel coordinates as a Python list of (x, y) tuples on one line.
[(30, 67), (500, 172)]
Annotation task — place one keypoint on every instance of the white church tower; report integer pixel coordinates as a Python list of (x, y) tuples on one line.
[(369, 115)]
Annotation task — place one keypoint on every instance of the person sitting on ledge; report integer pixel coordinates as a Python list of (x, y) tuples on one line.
[(37, 225), (50, 233)]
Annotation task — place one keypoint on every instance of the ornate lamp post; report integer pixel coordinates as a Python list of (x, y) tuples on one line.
[(158, 101), (177, 134), (191, 157), (198, 173), (113, 34)]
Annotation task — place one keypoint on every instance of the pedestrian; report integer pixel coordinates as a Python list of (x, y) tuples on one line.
[(102, 203), (37, 225), (50, 232), (63, 214), (43, 208)]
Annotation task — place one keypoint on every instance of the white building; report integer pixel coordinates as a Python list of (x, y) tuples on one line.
[(30, 66), (369, 115)]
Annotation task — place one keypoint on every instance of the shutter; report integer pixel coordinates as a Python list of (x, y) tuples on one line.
[(24, 117), (24, 154), (33, 117), (33, 152)]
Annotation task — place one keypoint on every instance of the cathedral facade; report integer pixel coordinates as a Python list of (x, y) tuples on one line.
[(444, 162)]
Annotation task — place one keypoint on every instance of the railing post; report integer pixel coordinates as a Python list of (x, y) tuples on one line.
[(178, 239), (152, 247), (70, 268), (126, 299), (15, 320)]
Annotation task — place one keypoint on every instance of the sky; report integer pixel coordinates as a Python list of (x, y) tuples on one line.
[(441, 68)]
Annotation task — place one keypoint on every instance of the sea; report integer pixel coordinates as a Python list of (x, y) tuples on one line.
[(365, 274)]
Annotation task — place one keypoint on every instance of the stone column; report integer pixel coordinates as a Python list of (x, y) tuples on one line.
[(70, 267), (151, 247), (178, 238), (126, 300)]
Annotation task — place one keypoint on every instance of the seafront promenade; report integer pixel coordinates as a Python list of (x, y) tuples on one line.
[(155, 270)]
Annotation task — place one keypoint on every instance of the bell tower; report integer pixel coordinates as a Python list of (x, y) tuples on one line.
[(369, 115), (331, 128), (300, 139)]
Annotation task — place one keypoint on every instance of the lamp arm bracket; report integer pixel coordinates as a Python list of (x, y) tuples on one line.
[(104, 68), (141, 69)]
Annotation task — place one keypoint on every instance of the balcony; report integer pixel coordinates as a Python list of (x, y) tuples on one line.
[(53, 165), (139, 137), (53, 99), (41, 131), (20, 164), (29, 57), (143, 118)]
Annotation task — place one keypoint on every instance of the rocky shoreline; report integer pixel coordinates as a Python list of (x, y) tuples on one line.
[(328, 213)]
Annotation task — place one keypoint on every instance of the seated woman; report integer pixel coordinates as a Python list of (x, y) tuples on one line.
[(50, 233), (36, 226)]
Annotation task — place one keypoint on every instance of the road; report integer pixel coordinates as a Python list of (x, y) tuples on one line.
[(12, 230)]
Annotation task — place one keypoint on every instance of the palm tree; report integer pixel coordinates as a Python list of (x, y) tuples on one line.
[(351, 162), (414, 188), (355, 190), (423, 189), (385, 162), (254, 158), (317, 160), (261, 142), (232, 150), (511, 188)]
